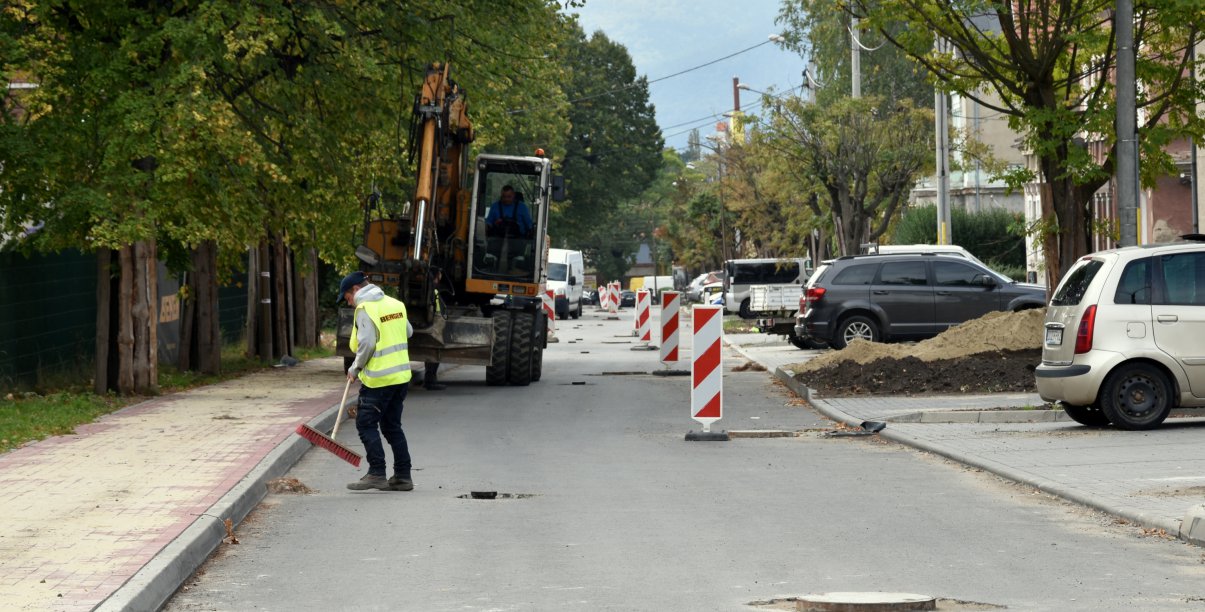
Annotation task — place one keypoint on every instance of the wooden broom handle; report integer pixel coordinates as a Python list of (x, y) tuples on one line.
[(339, 418)]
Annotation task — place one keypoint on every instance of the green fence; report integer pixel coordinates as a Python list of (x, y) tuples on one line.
[(47, 317)]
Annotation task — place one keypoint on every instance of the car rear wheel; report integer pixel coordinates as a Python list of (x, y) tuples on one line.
[(1136, 396), (745, 311), (1087, 415), (856, 327)]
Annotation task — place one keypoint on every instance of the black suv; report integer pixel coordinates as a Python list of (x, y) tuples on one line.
[(898, 297)]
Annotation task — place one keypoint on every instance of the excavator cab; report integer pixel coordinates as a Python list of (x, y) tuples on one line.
[(510, 215)]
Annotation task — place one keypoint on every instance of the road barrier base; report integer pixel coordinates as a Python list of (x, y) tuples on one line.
[(707, 436)]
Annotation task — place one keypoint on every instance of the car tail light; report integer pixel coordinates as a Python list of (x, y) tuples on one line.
[(812, 295), (1083, 337)]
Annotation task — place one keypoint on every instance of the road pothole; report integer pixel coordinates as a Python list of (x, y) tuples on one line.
[(494, 495)]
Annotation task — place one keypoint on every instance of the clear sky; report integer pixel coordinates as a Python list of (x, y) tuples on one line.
[(667, 36)]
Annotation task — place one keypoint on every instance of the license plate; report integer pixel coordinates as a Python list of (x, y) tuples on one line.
[(1054, 336)]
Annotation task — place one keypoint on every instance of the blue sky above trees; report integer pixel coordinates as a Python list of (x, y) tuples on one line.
[(667, 36)]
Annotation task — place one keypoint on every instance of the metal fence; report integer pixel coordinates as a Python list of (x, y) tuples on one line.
[(48, 318)]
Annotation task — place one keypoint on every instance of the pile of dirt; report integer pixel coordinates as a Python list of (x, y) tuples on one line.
[(999, 372), (288, 485), (995, 353), (992, 333)]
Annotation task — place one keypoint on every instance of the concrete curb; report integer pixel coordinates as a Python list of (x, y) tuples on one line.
[(1196, 525), (982, 416), (162, 576), (1192, 529)]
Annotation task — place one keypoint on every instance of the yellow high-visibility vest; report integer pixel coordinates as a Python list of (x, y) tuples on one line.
[(390, 362)]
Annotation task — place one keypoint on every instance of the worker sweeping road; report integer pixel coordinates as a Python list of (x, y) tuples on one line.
[(379, 338)]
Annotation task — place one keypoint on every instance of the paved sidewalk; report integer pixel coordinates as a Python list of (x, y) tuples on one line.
[(84, 513), (1155, 479)]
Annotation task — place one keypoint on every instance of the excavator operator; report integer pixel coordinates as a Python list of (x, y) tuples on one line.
[(510, 227)]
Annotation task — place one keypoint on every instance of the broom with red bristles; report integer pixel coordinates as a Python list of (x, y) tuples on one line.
[(321, 440)]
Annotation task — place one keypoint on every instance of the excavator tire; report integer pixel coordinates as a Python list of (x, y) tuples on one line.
[(495, 373), (522, 343)]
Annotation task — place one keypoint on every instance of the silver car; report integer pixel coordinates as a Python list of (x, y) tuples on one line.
[(1125, 336)]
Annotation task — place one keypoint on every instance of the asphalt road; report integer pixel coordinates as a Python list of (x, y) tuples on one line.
[(626, 515)]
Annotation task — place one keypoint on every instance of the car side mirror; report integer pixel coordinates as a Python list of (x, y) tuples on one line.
[(572, 281), (558, 188)]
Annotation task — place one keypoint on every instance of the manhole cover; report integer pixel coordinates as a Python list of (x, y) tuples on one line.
[(864, 602), (942, 605), (494, 495)]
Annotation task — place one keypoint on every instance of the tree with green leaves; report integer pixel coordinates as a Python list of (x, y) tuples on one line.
[(694, 149), (859, 162), (989, 235), (821, 32), (612, 155), (1046, 65), (189, 131)]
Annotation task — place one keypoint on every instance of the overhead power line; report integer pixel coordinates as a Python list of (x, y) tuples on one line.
[(656, 80), (702, 121)]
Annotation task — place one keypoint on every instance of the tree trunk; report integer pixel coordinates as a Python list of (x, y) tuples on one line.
[(204, 326), (125, 318), (188, 309), (291, 303), (263, 322), (104, 283), (252, 302), (1050, 241), (305, 298), (280, 302), (145, 311)]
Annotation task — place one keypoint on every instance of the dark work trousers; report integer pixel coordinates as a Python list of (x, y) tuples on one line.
[(381, 408)]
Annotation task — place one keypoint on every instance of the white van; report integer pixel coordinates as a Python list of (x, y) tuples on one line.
[(744, 273), (566, 271)]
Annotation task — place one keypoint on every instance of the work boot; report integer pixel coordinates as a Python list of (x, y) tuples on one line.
[(430, 380), (370, 481), (401, 483)]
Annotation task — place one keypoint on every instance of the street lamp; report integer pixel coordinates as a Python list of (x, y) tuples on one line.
[(747, 88)]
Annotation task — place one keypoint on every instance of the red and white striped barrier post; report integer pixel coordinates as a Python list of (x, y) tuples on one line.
[(636, 315), (613, 299), (603, 292), (707, 372), (644, 320), (549, 300), (670, 301)]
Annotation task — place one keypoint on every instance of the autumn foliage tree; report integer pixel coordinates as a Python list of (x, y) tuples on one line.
[(859, 162), (1047, 66)]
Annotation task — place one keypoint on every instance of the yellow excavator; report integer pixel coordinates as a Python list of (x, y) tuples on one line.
[(468, 254)]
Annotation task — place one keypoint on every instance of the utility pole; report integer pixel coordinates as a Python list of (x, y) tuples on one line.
[(736, 95), (941, 120), (1127, 128), (855, 61)]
